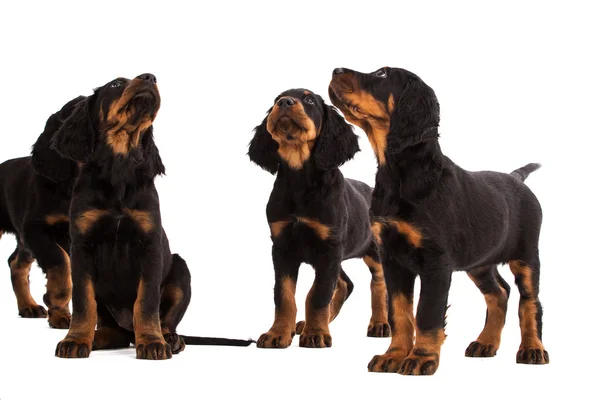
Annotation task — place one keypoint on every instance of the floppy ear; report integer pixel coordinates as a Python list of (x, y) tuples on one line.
[(46, 161), (416, 117), (151, 154), (262, 149), (337, 142), (76, 138)]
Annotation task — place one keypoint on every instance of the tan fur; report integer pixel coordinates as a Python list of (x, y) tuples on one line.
[(294, 152), (323, 231), (143, 219), (277, 227), (87, 219), (54, 219)]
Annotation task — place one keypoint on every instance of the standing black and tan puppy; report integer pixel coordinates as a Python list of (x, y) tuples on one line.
[(430, 217), (35, 193), (315, 215)]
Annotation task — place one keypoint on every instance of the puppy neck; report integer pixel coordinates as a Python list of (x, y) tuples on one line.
[(308, 176), (414, 167)]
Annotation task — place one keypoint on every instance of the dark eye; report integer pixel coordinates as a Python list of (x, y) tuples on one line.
[(115, 84), (382, 73), (309, 100)]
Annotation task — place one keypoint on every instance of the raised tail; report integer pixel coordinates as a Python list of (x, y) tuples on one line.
[(210, 341), (523, 172)]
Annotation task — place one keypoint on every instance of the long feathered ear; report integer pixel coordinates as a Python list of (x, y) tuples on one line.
[(76, 138), (416, 117), (151, 154), (337, 142), (46, 161), (262, 149)]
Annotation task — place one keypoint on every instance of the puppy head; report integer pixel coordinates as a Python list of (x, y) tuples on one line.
[(300, 127), (393, 106), (116, 116)]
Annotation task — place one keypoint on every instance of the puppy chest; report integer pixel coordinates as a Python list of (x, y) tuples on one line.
[(114, 225)]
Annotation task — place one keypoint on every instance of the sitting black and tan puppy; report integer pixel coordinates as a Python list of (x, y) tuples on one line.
[(430, 217), (315, 215), (34, 202), (125, 279)]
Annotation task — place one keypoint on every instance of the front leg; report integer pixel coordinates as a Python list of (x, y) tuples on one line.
[(424, 358), (78, 342), (400, 283), (316, 329), (286, 274), (149, 340)]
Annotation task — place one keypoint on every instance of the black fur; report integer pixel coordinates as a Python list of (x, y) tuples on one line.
[(465, 221), (306, 197), (124, 275), (34, 202)]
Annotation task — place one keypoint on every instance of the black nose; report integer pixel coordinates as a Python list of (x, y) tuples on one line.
[(338, 71), (148, 77), (286, 102)]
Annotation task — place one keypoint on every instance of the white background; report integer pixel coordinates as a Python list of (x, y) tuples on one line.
[(517, 83)]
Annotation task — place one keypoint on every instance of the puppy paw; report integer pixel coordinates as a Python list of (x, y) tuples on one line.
[(379, 329), (300, 327), (275, 340), (73, 348), (477, 349), (156, 350), (388, 362), (32, 311), (315, 339), (175, 341), (533, 356), (419, 365), (59, 319)]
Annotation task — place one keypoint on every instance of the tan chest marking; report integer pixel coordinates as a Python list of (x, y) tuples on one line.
[(87, 219), (323, 231), (54, 219), (143, 219), (413, 235)]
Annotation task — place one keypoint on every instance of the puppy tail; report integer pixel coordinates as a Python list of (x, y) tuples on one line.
[(210, 341), (523, 172)]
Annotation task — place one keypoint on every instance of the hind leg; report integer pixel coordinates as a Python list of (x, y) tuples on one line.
[(495, 291), (343, 290), (20, 264), (56, 263), (527, 278), (378, 326), (175, 298), (109, 335)]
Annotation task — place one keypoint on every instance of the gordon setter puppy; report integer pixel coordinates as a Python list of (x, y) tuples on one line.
[(430, 217), (125, 279), (315, 215), (34, 203)]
